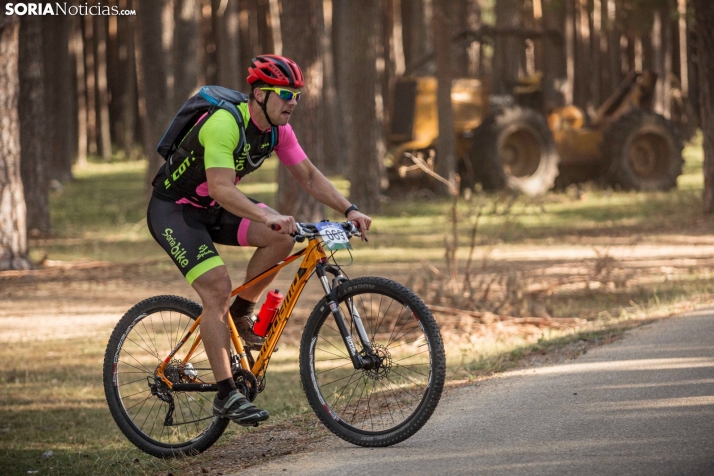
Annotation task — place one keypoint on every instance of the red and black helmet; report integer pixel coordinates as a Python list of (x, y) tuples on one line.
[(276, 71)]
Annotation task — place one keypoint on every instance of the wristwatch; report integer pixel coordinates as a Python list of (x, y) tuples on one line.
[(352, 207)]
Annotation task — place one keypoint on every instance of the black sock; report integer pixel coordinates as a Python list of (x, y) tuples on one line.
[(241, 307), (225, 387)]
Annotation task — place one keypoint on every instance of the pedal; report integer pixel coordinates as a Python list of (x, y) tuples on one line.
[(248, 425)]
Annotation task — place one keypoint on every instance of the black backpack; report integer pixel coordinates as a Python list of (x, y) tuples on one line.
[(206, 99)]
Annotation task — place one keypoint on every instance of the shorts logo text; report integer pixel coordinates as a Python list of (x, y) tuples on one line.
[(177, 251), (203, 251)]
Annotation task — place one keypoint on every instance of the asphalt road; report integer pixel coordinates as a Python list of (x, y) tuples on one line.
[(642, 405)]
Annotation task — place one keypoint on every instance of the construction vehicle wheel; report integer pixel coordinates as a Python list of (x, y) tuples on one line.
[(644, 152), (514, 149)]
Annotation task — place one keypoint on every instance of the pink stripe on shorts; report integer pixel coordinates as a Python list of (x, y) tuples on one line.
[(243, 228)]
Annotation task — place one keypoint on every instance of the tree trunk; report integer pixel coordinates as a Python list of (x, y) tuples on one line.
[(613, 16), (230, 52), (415, 31), (103, 129), (167, 45), (153, 92), (274, 23), (446, 147), (113, 75), (338, 35), (583, 57), (570, 49), (704, 11), (657, 53), (358, 90), (476, 51), (247, 46), (387, 52), (59, 97), (683, 48), (305, 48), (265, 31), (33, 125), (555, 74), (506, 50), (81, 82), (209, 36), (91, 90), (186, 35), (254, 29), (341, 37), (667, 61), (459, 14), (596, 54), (333, 124), (684, 105), (126, 121), (13, 234), (225, 26)]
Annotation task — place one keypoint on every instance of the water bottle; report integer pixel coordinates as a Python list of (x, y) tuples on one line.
[(267, 313)]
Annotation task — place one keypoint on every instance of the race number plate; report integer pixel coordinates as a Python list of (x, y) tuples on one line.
[(334, 236)]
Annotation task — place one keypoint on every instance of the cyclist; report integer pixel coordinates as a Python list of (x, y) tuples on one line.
[(200, 205)]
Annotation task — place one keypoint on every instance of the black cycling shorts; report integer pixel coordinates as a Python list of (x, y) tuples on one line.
[(188, 233)]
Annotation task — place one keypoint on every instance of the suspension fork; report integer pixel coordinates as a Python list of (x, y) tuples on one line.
[(357, 360)]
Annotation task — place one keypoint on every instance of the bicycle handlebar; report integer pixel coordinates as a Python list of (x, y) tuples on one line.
[(309, 230)]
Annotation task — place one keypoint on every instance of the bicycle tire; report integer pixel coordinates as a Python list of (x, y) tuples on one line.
[(406, 389), (145, 336)]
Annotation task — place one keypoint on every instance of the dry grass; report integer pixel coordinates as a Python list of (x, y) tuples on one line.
[(611, 259)]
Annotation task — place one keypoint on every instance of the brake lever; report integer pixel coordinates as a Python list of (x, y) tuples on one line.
[(355, 230)]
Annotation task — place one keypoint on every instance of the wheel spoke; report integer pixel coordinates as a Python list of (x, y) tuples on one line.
[(400, 337), (396, 399), (144, 371), (334, 368), (395, 331), (340, 379), (336, 348)]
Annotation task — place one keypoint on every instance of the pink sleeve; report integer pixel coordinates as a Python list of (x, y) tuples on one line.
[(288, 150)]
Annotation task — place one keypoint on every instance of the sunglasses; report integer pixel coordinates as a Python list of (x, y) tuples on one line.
[(284, 94)]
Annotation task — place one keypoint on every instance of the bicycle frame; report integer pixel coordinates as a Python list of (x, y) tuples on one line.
[(314, 258)]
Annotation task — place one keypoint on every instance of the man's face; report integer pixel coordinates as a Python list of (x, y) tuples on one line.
[(278, 109)]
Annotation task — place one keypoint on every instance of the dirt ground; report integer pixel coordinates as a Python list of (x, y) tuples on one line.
[(69, 300), (72, 299)]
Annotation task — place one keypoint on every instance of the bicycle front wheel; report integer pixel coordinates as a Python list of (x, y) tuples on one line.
[(158, 420), (389, 403)]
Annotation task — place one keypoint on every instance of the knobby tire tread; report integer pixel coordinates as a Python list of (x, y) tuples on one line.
[(147, 306), (438, 369)]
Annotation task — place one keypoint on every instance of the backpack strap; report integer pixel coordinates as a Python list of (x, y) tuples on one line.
[(178, 148), (273, 137), (223, 104)]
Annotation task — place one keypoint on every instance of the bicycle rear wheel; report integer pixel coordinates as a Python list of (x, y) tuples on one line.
[(159, 421), (387, 404)]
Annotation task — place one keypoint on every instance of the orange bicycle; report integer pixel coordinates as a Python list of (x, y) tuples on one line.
[(372, 361)]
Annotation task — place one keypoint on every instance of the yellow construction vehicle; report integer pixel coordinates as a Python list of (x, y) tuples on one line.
[(511, 142)]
